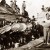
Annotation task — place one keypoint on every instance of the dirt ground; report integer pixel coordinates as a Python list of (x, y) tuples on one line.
[(32, 45)]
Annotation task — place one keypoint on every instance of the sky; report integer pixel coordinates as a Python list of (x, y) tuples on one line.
[(32, 6)]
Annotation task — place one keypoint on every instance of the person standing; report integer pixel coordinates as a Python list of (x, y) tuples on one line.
[(46, 29), (23, 7)]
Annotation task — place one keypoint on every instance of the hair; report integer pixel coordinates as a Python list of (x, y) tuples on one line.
[(46, 14), (49, 9), (23, 1), (33, 16)]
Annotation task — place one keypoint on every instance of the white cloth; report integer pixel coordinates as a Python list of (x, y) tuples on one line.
[(15, 27), (23, 5), (46, 28), (22, 27), (5, 29), (18, 26)]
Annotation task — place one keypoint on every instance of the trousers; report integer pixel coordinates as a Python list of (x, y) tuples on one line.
[(46, 34)]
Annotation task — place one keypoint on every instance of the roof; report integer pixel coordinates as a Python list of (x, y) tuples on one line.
[(6, 9), (9, 9)]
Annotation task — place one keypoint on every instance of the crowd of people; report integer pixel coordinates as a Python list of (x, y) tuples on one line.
[(9, 38), (15, 35)]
